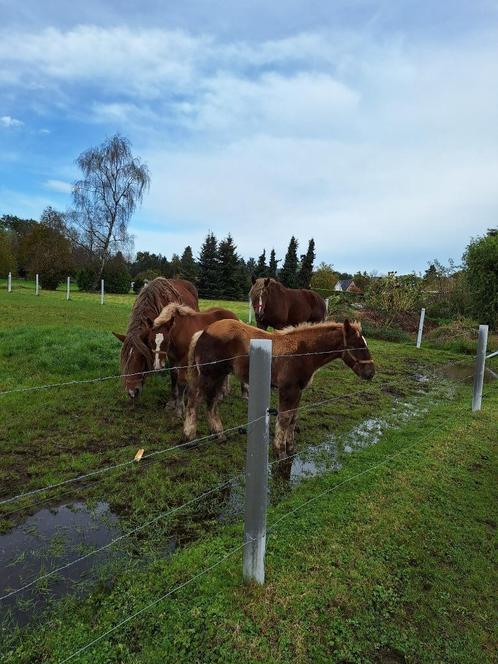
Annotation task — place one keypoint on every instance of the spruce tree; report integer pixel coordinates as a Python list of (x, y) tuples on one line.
[(261, 267), (272, 266), (176, 265), (306, 271), (288, 273), (188, 266), (209, 268), (230, 286)]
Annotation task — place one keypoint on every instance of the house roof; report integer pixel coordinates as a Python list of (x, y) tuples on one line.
[(345, 283)]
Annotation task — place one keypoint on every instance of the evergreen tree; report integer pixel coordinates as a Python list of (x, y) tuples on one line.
[(272, 267), (176, 266), (288, 273), (251, 267), (230, 273), (261, 267), (208, 280), (188, 266), (306, 271)]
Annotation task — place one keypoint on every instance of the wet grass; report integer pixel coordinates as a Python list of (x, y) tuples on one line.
[(51, 435)]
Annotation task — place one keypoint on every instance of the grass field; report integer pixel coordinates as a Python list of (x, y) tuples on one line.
[(394, 566)]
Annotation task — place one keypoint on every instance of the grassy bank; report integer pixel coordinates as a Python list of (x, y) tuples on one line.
[(395, 565)]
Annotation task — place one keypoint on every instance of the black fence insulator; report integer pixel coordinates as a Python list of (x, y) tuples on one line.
[(242, 429), (272, 411)]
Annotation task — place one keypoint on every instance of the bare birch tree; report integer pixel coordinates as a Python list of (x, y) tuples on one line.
[(113, 184)]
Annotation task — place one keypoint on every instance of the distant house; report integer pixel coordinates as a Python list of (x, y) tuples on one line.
[(347, 286)]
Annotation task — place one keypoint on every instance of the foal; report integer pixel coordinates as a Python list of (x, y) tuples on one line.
[(170, 338), (297, 354)]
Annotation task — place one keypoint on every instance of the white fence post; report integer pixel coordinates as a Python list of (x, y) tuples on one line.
[(37, 284), (420, 327), (101, 291), (68, 288), (258, 435), (250, 311), (479, 368), (327, 306), (9, 283)]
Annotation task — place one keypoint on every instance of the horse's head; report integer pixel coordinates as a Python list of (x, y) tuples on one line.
[(134, 362), (260, 295), (158, 340), (356, 354)]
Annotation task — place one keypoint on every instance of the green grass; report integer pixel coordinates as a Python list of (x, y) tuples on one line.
[(394, 566)]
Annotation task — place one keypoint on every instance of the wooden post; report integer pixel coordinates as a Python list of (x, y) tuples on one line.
[(9, 283), (68, 288), (101, 291), (37, 284), (420, 327), (479, 368), (249, 317), (258, 435)]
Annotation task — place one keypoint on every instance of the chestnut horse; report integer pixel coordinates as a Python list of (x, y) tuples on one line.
[(170, 338), (297, 353), (278, 306), (136, 356)]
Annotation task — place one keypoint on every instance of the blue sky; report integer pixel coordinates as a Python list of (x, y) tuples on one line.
[(371, 126)]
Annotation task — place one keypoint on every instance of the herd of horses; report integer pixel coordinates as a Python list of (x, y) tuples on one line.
[(204, 348)]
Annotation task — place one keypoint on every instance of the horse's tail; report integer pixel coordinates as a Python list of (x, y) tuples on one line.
[(193, 371)]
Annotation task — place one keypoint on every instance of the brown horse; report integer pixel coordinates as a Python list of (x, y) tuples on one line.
[(170, 339), (136, 356), (278, 306), (297, 354)]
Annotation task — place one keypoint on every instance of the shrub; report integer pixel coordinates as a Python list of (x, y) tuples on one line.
[(481, 259), (141, 277), (394, 296), (86, 278), (459, 335), (117, 276), (7, 259)]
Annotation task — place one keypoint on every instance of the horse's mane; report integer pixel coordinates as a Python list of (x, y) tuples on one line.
[(329, 324), (173, 309), (148, 305)]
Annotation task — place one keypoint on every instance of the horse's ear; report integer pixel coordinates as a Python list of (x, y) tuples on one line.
[(121, 337), (267, 281), (347, 326), (253, 279)]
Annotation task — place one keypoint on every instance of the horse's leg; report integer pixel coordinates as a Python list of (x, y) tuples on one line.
[(283, 442), (193, 399), (244, 390), (174, 389), (214, 394), (180, 393)]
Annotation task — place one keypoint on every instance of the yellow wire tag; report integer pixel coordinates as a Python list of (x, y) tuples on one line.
[(139, 454)]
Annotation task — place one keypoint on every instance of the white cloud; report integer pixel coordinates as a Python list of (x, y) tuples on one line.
[(59, 185), (8, 121)]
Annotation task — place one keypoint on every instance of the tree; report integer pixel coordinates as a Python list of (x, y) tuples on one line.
[(306, 270), (176, 266), (261, 267), (324, 278), (481, 262), (7, 258), (288, 273), (273, 265), (188, 266), (113, 184), (208, 281), (47, 251), (146, 262), (17, 229), (230, 272)]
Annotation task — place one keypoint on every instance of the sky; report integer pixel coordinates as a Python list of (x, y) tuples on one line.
[(370, 126)]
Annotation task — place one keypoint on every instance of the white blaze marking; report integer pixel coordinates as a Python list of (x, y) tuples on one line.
[(159, 340), (260, 303)]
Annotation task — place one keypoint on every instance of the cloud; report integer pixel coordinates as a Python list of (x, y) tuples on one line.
[(59, 185), (9, 122)]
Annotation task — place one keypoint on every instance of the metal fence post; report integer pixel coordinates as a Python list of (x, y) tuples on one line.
[(420, 327), (250, 311), (479, 368), (9, 283), (37, 284), (68, 288), (101, 291), (258, 435)]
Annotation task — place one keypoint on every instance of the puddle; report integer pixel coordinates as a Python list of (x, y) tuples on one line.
[(47, 540), (465, 373)]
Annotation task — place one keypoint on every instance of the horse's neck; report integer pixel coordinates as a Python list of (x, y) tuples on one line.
[(320, 340)]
